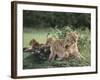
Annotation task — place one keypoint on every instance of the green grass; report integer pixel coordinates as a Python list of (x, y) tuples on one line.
[(41, 35)]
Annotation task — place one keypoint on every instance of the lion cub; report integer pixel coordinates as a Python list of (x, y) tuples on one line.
[(57, 49)]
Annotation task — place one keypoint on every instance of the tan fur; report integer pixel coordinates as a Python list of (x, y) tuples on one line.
[(49, 41), (57, 49), (71, 44), (65, 47), (33, 43)]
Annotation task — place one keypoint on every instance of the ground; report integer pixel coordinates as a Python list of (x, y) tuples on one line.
[(41, 35)]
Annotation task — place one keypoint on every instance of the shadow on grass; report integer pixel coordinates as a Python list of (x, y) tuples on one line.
[(31, 62)]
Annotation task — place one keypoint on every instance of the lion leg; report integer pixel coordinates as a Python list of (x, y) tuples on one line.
[(53, 57), (66, 54), (50, 56)]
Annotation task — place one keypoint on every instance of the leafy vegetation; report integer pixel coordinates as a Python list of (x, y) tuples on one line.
[(83, 44), (37, 24), (44, 19)]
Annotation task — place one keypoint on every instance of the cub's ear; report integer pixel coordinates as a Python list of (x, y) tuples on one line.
[(30, 42)]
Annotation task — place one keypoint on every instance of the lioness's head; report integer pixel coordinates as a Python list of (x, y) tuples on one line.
[(71, 38)]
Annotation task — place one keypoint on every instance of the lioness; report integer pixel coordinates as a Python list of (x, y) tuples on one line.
[(63, 48), (71, 44)]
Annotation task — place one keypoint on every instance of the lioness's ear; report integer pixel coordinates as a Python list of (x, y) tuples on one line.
[(48, 35), (76, 33)]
